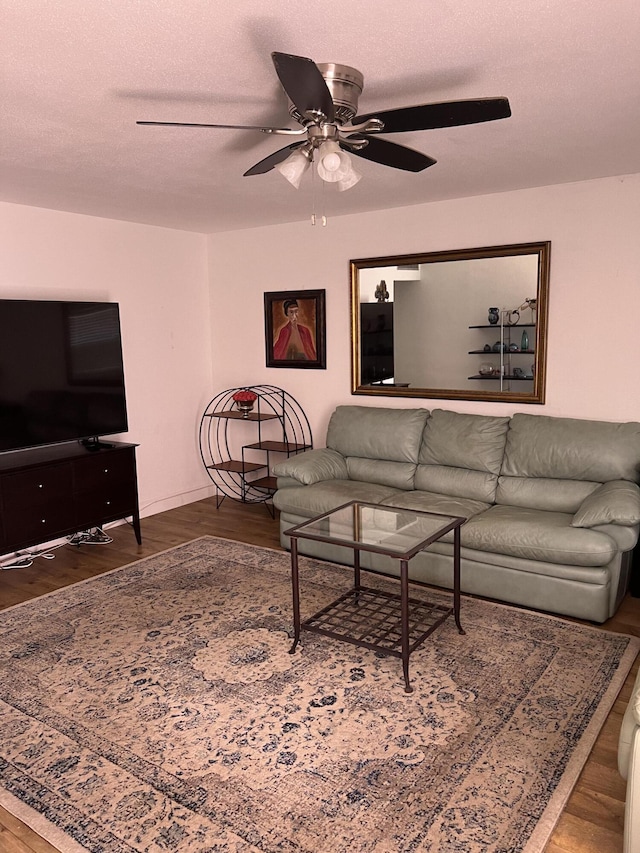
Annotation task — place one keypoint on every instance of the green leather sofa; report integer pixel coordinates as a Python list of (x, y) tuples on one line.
[(552, 504)]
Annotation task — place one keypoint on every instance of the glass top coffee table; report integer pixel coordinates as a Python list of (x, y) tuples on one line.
[(391, 623)]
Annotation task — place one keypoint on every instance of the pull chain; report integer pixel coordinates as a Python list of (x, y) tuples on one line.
[(314, 217)]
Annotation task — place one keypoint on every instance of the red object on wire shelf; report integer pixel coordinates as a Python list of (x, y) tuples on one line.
[(245, 396)]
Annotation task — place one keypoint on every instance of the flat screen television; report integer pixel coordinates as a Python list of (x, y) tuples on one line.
[(61, 373)]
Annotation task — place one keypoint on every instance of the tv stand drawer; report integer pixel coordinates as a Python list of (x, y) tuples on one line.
[(54, 492), (48, 521), (103, 470), (42, 485), (116, 502)]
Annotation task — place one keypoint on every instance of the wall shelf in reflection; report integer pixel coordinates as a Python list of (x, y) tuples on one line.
[(506, 352), (496, 376), (518, 326)]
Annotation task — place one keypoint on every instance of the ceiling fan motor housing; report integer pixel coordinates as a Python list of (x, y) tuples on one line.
[(345, 85)]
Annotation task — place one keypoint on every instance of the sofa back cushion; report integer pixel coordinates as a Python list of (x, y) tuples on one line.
[(392, 435), (544, 493), (572, 449), (555, 463), (398, 475), (389, 437), (461, 454)]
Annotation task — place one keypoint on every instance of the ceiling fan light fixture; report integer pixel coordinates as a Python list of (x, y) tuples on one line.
[(351, 179), (294, 167), (333, 164)]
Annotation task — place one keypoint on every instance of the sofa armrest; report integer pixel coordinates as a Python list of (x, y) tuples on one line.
[(312, 466), (631, 840), (629, 729), (616, 502)]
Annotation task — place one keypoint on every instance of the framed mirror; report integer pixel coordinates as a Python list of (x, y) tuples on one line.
[(468, 324)]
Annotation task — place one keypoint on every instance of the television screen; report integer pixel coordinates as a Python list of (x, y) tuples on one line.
[(61, 372)]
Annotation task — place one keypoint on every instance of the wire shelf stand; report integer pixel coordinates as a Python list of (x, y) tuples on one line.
[(240, 469)]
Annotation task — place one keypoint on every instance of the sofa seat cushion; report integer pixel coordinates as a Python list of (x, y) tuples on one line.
[(625, 536), (432, 502), (537, 535), (308, 501), (591, 575)]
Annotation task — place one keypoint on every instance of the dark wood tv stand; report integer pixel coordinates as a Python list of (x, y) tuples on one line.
[(50, 492)]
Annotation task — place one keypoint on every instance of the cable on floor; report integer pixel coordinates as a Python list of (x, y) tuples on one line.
[(24, 559)]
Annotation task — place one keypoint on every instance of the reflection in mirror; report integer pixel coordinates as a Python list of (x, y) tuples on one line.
[(467, 324)]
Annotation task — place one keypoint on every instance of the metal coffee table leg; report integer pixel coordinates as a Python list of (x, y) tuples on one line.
[(356, 575), (295, 588), (456, 579), (404, 619)]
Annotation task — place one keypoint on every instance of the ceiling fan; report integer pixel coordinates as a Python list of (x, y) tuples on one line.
[(323, 98)]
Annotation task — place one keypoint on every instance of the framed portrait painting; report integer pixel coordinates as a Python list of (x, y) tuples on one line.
[(294, 324)]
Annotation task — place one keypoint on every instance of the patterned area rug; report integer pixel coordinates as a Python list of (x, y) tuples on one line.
[(156, 708)]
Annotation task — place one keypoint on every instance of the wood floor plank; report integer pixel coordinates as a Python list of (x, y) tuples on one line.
[(597, 808), (575, 835), (602, 780), (15, 837), (592, 819)]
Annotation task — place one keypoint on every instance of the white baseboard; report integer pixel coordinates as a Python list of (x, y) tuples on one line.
[(175, 501)]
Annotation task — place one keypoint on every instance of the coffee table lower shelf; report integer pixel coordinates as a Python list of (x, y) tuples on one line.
[(371, 618)]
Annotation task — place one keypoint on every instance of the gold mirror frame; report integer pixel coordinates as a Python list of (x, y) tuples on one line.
[(469, 326)]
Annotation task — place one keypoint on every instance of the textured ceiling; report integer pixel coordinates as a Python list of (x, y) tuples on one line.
[(76, 76)]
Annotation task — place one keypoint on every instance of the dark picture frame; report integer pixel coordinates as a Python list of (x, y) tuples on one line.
[(295, 328)]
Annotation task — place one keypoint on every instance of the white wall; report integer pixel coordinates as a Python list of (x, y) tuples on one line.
[(159, 277), (593, 349), (192, 327)]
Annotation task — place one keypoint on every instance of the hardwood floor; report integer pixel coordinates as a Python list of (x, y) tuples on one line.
[(592, 821)]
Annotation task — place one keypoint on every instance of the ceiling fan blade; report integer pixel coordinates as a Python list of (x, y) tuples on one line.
[(390, 154), (304, 84), (272, 160), (225, 126), (445, 114)]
